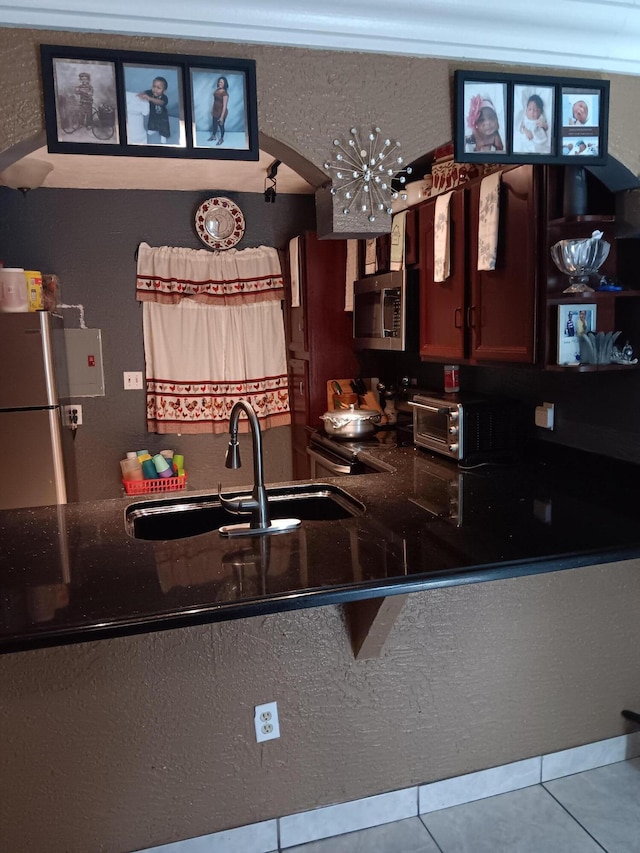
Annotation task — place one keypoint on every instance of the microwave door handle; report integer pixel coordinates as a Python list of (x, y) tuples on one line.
[(439, 410)]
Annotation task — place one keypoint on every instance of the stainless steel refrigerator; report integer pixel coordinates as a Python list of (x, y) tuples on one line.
[(36, 449)]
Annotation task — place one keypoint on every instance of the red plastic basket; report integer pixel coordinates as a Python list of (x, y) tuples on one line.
[(162, 484)]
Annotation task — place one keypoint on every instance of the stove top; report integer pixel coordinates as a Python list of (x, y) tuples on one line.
[(349, 450)]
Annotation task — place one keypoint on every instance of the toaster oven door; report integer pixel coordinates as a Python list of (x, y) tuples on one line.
[(435, 428)]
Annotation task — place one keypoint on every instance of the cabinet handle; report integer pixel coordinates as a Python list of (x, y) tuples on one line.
[(457, 318), (471, 316), (301, 388)]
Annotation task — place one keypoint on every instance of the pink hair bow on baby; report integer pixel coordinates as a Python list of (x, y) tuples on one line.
[(476, 104)]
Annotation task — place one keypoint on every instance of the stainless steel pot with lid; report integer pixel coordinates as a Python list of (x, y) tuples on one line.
[(351, 423)]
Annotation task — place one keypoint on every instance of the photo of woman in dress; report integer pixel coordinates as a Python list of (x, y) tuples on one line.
[(219, 109)]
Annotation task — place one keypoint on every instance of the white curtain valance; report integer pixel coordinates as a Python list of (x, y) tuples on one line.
[(168, 274)]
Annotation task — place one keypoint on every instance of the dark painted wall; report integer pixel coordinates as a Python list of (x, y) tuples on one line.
[(596, 412), (88, 238)]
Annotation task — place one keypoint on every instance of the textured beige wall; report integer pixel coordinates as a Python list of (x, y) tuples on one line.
[(305, 97), (117, 745)]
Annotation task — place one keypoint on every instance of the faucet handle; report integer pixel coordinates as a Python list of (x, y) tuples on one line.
[(236, 505)]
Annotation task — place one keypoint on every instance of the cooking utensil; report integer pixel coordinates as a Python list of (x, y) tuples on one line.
[(351, 423), (344, 401), (337, 388)]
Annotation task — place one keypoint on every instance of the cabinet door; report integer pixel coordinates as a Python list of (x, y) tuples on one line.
[(411, 237), (501, 313), (442, 302), (299, 396), (329, 326)]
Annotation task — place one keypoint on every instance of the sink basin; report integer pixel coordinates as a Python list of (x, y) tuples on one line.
[(182, 517)]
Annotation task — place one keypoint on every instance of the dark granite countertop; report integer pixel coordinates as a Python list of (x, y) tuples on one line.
[(72, 573)]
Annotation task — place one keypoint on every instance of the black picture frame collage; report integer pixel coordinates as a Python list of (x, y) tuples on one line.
[(138, 103), (521, 118)]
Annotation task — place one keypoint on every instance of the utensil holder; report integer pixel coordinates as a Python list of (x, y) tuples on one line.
[(343, 401)]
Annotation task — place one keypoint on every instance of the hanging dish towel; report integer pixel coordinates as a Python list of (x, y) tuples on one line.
[(351, 273), (294, 268), (370, 257), (397, 240), (442, 239), (488, 221)]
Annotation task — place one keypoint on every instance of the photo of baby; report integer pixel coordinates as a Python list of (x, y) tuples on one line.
[(580, 110), (586, 146), (533, 110), (485, 110), (513, 118), (580, 123)]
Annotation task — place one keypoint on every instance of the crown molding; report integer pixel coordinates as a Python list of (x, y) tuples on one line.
[(587, 35)]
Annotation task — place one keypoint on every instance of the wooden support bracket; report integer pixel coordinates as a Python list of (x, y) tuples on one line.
[(370, 623)]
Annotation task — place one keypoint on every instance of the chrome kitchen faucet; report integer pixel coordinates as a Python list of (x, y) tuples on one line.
[(257, 505)]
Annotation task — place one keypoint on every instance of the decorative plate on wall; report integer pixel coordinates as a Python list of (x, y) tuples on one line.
[(219, 223)]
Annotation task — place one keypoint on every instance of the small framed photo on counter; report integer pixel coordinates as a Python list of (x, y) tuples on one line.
[(574, 320)]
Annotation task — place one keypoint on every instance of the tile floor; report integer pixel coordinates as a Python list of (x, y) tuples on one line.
[(578, 800), (586, 812)]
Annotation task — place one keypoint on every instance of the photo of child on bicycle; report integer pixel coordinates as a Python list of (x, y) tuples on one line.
[(85, 94)]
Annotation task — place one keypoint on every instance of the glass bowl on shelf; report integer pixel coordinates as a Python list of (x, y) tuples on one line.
[(579, 259)]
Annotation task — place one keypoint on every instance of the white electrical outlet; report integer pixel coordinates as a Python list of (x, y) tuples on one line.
[(266, 721), (72, 416), (132, 380), (544, 415)]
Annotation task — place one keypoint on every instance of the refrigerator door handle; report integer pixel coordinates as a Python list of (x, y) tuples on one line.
[(58, 459), (49, 369)]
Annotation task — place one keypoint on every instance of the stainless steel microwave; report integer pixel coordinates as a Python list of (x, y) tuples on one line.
[(385, 312)]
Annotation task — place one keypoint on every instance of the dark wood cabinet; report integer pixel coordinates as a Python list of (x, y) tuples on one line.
[(502, 311), (411, 246), (443, 303), (477, 315), (320, 338), (299, 396)]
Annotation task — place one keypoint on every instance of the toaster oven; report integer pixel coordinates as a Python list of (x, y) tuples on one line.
[(470, 430)]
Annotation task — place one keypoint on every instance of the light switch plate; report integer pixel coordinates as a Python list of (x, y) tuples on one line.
[(132, 380)]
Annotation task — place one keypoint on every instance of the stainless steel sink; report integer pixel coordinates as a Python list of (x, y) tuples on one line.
[(182, 517)]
